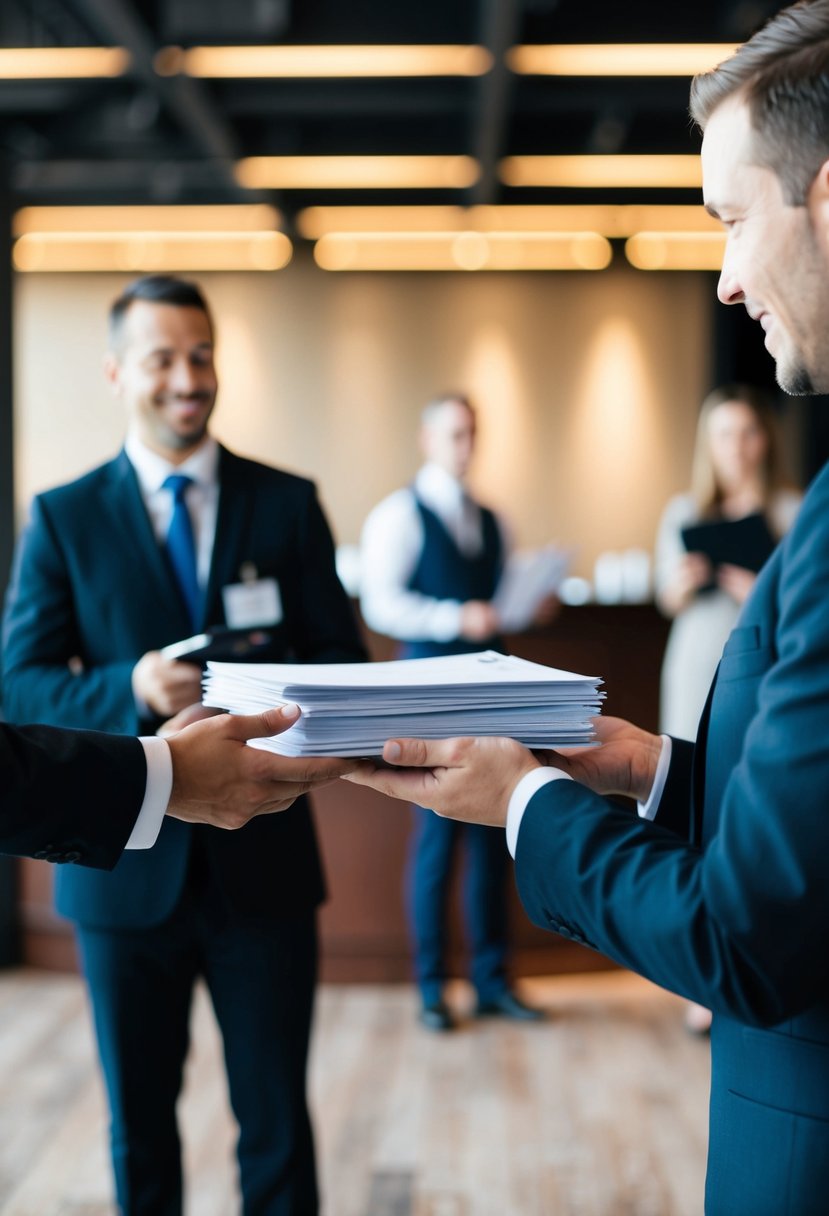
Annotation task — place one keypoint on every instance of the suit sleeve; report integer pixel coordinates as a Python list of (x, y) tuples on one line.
[(41, 636), (69, 796), (739, 925), (324, 628)]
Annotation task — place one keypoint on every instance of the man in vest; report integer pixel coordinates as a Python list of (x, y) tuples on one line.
[(432, 558)]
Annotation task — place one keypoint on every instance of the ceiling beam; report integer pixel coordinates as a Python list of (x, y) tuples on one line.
[(500, 24), (186, 100), (110, 180)]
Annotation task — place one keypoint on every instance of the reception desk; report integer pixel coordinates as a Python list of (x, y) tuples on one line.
[(363, 835)]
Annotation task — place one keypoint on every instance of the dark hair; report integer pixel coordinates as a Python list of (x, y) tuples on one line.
[(156, 289), (782, 73)]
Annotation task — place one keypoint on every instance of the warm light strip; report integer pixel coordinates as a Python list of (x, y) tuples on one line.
[(62, 62), (138, 252), (244, 217), (356, 172), (469, 251), (595, 171), (319, 61), (676, 250), (619, 59), (611, 220)]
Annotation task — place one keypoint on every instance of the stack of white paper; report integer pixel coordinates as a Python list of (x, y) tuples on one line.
[(350, 709)]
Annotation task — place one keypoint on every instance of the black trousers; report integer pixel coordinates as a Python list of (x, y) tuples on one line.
[(261, 979)]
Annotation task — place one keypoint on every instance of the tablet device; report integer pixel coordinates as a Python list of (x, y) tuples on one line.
[(745, 542)]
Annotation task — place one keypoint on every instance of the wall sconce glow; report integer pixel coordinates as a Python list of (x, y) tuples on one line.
[(62, 62), (356, 172), (619, 59), (611, 220), (677, 172), (236, 217), (676, 250), (324, 61), (137, 252), (464, 251)]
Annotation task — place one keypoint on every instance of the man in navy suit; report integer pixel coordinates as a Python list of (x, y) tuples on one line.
[(174, 535), (54, 783), (432, 559), (724, 896)]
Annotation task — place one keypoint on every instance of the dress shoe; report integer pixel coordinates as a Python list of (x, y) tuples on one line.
[(436, 1017), (508, 1005)]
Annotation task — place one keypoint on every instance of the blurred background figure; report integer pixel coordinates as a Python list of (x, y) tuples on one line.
[(735, 475), (432, 558)]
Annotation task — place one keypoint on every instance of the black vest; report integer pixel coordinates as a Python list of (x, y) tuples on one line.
[(443, 572)]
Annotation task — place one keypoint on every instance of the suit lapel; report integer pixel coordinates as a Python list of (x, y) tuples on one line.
[(126, 510), (232, 526)]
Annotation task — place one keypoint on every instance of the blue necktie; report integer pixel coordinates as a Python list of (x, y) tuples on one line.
[(181, 546)]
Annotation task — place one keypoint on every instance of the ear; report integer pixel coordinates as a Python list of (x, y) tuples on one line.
[(817, 199), (112, 370)]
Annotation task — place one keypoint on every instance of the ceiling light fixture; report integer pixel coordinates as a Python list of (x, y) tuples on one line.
[(619, 59), (324, 61), (356, 172), (62, 62), (647, 171), (462, 251), (611, 220), (243, 217), (676, 250), (149, 238)]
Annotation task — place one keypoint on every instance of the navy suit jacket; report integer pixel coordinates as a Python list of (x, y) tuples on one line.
[(91, 581), (725, 898), (47, 776)]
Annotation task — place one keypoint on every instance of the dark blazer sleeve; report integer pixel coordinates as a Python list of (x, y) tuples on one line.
[(41, 635), (738, 924), (69, 796), (324, 627)]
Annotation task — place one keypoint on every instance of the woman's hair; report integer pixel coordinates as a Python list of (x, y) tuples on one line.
[(705, 488)]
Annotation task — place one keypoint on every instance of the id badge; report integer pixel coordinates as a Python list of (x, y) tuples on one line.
[(251, 604)]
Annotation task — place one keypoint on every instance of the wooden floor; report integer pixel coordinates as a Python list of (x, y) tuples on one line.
[(599, 1111)]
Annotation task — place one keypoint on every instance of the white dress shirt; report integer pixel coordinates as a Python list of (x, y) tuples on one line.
[(531, 782), (390, 548), (202, 499)]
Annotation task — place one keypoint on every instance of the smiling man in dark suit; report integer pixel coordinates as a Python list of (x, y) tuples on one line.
[(724, 897), (175, 535)]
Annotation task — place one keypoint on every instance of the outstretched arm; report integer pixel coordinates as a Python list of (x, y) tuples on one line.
[(474, 779)]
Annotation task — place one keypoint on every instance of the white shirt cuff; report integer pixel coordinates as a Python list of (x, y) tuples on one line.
[(529, 784), (647, 810), (156, 796)]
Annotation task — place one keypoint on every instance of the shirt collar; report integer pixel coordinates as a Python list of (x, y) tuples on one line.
[(152, 470), (434, 484)]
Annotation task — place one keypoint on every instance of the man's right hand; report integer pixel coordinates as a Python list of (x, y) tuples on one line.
[(625, 763), (220, 781), (479, 620), (165, 685)]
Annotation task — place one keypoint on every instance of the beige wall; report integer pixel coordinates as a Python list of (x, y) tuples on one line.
[(587, 385)]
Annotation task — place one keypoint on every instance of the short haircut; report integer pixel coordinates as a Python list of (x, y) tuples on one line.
[(155, 289), (782, 74), (433, 407)]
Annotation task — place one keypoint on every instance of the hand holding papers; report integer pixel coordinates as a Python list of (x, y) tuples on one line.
[(350, 709)]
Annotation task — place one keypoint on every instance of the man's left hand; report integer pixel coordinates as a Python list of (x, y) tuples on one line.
[(467, 779)]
